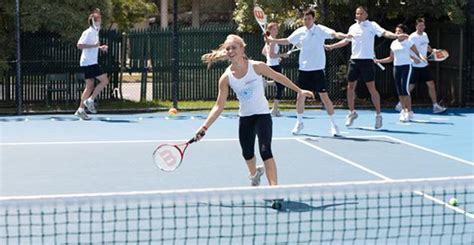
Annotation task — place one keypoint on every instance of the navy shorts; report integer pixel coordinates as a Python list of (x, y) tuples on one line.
[(361, 70), (402, 74), (92, 71), (314, 81), (280, 87), (420, 74)]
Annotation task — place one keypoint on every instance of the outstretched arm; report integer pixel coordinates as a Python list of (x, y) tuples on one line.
[(218, 108), (262, 69), (385, 60), (339, 44), (281, 41)]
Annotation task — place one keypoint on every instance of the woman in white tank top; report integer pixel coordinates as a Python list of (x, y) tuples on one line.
[(245, 78), (271, 51)]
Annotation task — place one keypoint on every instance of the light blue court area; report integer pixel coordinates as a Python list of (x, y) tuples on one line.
[(58, 154)]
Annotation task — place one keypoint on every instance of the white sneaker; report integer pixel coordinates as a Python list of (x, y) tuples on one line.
[(398, 107), (403, 116), (89, 103), (335, 131), (410, 115), (298, 127), (378, 121), (255, 180), (438, 109), (82, 115), (275, 112), (350, 118)]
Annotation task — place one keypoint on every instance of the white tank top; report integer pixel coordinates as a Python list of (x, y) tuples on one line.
[(273, 61), (250, 92)]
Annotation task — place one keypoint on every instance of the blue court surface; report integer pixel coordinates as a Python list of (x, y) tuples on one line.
[(58, 154)]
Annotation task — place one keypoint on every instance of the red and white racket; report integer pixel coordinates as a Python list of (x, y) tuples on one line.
[(261, 18), (438, 55), (169, 157)]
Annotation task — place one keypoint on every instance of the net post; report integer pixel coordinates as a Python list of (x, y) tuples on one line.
[(19, 87), (175, 59)]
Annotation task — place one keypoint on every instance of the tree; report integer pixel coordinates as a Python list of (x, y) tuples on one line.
[(125, 13)]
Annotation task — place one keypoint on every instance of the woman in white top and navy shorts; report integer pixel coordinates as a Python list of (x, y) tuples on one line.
[(244, 76), (402, 67), (271, 52)]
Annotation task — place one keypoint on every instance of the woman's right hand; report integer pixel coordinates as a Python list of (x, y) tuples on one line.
[(200, 133)]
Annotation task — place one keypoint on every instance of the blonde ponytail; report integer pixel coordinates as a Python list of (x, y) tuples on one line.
[(220, 54)]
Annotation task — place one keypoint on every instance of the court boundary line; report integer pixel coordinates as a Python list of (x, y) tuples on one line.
[(372, 172), (150, 141)]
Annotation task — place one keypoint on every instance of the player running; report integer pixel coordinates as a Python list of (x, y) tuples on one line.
[(90, 45), (312, 63), (421, 71), (400, 54), (361, 67), (271, 52), (244, 76)]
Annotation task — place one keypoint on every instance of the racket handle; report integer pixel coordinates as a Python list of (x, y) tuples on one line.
[(194, 138), (381, 66)]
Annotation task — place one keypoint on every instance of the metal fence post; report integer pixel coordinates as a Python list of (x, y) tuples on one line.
[(19, 87), (175, 57)]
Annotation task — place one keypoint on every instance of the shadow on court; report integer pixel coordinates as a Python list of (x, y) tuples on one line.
[(355, 139), (391, 131), (287, 206)]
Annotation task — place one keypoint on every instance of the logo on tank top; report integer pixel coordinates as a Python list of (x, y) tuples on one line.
[(247, 92)]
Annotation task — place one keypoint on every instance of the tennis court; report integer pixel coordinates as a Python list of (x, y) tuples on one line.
[(103, 168)]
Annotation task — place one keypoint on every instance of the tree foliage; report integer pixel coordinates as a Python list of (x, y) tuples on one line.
[(125, 13), (341, 12)]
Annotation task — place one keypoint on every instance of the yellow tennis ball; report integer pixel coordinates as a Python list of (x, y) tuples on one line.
[(172, 112), (453, 201)]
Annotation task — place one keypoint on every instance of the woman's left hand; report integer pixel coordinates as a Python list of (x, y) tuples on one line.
[(306, 93)]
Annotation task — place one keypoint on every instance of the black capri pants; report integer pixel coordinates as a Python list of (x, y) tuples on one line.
[(256, 125), (280, 87), (401, 75)]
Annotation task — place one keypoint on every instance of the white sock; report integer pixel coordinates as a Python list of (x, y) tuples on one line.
[(299, 117), (435, 104), (90, 99), (378, 114), (80, 109), (331, 119)]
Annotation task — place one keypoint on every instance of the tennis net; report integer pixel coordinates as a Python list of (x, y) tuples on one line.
[(372, 212)]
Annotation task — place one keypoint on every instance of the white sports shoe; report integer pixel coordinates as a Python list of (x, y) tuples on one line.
[(255, 180), (403, 116), (438, 109), (350, 118), (298, 127), (410, 115), (275, 112), (82, 115), (335, 131), (398, 107), (378, 121), (89, 103)]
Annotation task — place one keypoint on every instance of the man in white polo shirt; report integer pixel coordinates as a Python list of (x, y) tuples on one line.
[(361, 66), (90, 45), (312, 62), (421, 71)]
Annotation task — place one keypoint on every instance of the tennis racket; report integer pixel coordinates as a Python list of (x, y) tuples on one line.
[(296, 47), (169, 157), (438, 55), (261, 19), (379, 65)]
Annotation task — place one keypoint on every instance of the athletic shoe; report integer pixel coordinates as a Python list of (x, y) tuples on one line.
[(398, 107), (298, 127), (275, 113), (404, 116), (89, 103), (82, 115), (335, 131), (378, 121), (438, 109), (350, 118), (255, 180), (410, 115)]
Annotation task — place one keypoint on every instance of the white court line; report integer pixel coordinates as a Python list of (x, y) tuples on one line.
[(365, 169), (148, 141), (430, 150)]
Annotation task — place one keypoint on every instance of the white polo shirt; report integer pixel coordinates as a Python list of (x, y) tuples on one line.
[(421, 43), (363, 34), (89, 56), (401, 52), (312, 55)]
